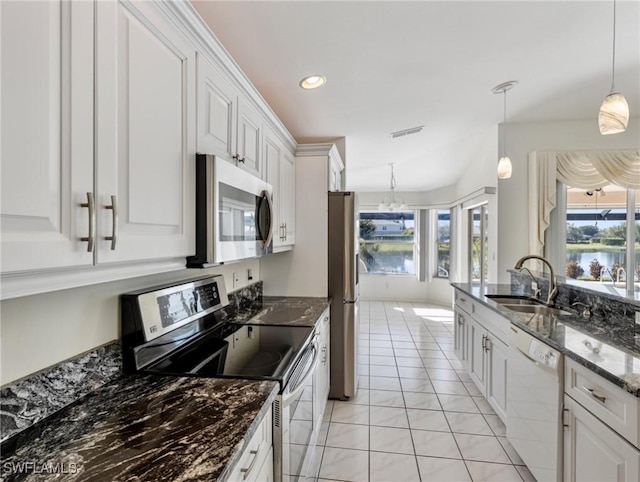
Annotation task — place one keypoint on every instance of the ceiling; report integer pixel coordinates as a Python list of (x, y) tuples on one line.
[(394, 65)]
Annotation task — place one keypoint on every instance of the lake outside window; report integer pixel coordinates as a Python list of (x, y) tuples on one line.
[(478, 268), (443, 244), (387, 242), (598, 243)]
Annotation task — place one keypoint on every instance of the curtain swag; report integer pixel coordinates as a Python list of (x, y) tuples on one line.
[(582, 169)]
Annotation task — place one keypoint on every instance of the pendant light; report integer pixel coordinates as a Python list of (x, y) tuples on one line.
[(392, 204), (504, 163), (614, 111)]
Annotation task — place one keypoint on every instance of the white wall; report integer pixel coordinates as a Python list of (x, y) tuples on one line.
[(481, 170), (405, 288), (524, 138), (42, 330)]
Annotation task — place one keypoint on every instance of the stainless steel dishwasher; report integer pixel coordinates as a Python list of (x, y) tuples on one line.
[(534, 404)]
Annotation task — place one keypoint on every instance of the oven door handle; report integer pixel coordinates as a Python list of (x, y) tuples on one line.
[(288, 397)]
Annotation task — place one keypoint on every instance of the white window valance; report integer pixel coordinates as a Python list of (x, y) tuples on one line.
[(582, 169)]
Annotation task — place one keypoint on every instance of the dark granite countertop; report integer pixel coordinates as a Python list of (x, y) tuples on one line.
[(618, 355), (144, 428), (284, 310)]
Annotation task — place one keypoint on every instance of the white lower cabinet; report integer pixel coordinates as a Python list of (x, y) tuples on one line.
[(322, 372), (594, 452), (480, 344), (256, 461), (488, 365)]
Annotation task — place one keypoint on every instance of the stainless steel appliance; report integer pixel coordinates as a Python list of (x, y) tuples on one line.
[(344, 291), (234, 213), (534, 401), (180, 330)]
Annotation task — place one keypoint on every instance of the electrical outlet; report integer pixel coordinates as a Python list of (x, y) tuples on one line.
[(236, 280)]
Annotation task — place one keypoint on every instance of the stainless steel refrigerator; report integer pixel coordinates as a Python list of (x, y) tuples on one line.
[(344, 292)]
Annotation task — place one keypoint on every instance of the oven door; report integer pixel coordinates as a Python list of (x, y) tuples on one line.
[(243, 214), (294, 425)]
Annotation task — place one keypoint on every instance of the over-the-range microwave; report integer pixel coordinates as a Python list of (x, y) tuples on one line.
[(234, 213)]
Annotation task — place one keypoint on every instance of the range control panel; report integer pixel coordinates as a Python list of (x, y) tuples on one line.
[(163, 310)]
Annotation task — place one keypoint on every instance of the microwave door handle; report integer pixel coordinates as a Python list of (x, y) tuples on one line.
[(265, 195)]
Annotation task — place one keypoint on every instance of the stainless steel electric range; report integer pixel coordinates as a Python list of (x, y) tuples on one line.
[(184, 330)]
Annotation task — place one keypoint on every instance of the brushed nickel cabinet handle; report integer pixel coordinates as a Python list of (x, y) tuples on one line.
[(590, 391), (92, 221), (114, 223), (247, 470)]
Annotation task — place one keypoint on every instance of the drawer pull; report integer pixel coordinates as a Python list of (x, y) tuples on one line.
[(463, 300), (590, 391), (247, 470)]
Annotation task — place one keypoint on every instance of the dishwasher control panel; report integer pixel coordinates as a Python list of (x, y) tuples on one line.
[(543, 354)]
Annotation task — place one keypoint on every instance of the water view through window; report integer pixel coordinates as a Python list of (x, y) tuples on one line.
[(597, 244), (387, 242)]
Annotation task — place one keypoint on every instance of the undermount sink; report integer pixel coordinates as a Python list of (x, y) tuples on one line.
[(513, 300), (537, 309), (524, 304)]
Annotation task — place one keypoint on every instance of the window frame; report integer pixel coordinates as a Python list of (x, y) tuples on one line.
[(555, 247), (414, 243)]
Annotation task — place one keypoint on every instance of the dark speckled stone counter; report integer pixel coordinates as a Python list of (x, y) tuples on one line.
[(281, 310), (618, 356), (144, 428)]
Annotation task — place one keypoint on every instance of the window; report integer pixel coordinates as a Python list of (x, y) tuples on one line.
[(443, 244), (478, 244), (598, 244), (387, 242)]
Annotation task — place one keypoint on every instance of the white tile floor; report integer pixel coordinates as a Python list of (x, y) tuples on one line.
[(417, 415)]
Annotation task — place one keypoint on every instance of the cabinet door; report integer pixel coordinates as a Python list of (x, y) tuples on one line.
[(322, 373), (47, 133), (496, 356), (272, 158), (217, 107), (249, 141), (460, 337), (288, 194), (594, 452), (145, 98), (476, 344)]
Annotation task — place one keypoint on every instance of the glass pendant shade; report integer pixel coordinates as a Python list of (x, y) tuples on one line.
[(614, 114), (504, 168)]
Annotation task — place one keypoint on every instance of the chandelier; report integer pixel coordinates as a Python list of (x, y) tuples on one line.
[(390, 203)]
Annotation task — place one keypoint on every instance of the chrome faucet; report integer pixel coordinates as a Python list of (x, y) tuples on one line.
[(553, 289)]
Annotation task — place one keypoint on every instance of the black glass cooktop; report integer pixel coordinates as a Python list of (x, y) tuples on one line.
[(236, 351)]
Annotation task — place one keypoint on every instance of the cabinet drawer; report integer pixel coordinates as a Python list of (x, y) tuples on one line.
[(255, 452), (610, 403), (465, 302)]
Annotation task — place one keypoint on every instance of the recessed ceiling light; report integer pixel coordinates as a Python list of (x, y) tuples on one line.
[(313, 81)]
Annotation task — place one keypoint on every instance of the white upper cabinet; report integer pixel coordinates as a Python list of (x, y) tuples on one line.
[(145, 125), (227, 126), (249, 138), (217, 112), (47, 133), (279, 169), (288, 194)]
